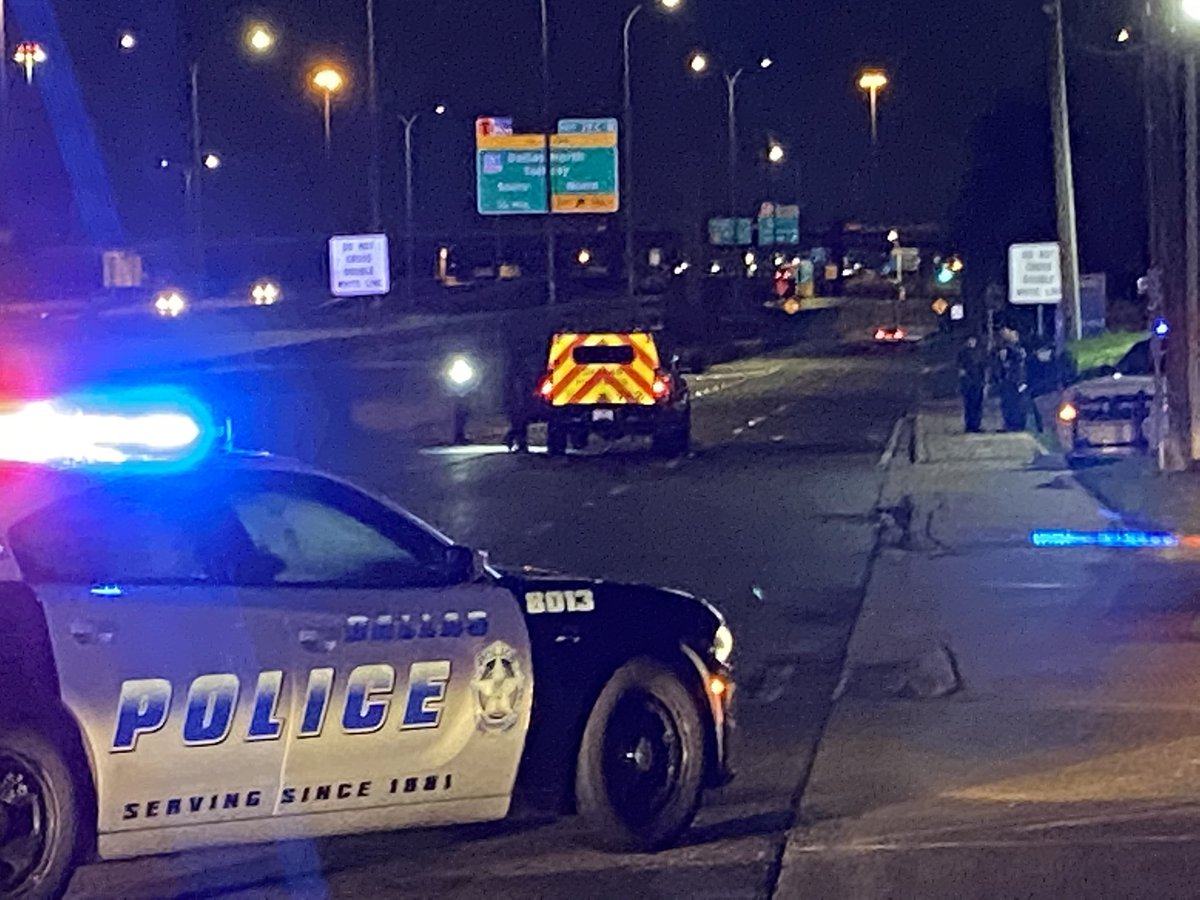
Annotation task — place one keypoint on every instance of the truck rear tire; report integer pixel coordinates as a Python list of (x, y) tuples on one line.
[(675, 440), (556, 439)]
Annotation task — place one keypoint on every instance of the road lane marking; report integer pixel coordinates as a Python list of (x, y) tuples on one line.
[(893, 444), (618, 490)]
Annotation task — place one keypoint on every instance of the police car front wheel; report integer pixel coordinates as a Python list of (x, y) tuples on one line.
[(640, 771), (39, 816)]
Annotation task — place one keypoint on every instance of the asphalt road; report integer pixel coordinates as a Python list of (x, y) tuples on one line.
[(771, 518)]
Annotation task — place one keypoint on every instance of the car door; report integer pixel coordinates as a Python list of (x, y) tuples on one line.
[(415, 691), (170, 677)]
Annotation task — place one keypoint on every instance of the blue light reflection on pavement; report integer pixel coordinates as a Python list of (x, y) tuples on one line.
[(1129, 540)]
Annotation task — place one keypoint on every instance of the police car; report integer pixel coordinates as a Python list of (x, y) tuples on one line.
[(203, 647)]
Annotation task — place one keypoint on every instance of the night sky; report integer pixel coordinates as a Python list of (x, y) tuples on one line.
[(950, 62)]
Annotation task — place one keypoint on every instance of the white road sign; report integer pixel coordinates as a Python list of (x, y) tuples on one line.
[(359, 265), (1034, 274)]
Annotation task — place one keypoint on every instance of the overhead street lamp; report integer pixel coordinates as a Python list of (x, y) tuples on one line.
[(873, 81), (328, 80), (627, 139), (699, 63), (259, 38), (776, 153), (409, 238)]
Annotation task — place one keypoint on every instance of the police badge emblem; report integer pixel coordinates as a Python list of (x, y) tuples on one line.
[(499, 684)]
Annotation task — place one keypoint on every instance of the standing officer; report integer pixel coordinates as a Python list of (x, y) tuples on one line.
[(972, 382)]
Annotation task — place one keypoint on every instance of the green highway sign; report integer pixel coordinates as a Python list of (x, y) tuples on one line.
[(511, 174), (510, 170), (584, 172)]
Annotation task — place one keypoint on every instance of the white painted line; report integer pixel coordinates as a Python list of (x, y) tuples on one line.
[(754, 423), (889, 452), (618, 490), (738, 431)]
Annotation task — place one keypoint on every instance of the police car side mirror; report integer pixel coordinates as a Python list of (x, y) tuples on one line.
[(460, 564)]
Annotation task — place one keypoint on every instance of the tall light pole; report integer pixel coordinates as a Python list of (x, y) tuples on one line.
[(373, 175), (548, 129), (1190, 11), (328, 80), (699, 63), (873, 81), (627, 149), (409, 238)]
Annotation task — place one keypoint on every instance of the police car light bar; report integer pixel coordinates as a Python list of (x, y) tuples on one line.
[(47, 431)]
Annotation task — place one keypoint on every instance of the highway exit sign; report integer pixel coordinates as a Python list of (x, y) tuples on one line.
[(510, 170)]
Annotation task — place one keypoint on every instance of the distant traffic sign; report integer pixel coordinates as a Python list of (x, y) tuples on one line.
[(359, 265), (511, 174), (730, 232), (587, 126), (584, 174), (1034, 274), (511, 169)]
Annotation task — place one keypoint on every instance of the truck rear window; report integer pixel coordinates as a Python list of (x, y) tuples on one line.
[(620, 355)]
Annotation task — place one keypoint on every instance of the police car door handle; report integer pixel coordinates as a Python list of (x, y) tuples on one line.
[(317, 641), (88, 632)]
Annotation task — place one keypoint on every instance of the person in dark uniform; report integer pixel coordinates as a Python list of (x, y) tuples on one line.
[(1011, 362), (519, 385), (972, 382)]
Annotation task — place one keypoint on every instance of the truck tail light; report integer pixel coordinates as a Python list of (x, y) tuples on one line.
[(545, 387), (661, 386)]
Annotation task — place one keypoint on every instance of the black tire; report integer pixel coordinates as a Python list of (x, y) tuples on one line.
[(674, 441), (556, 440), (40, 829), (640, 772)]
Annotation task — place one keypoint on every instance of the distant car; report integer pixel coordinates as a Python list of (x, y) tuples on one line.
[(614, 384), (1108, 412), (891, 334)]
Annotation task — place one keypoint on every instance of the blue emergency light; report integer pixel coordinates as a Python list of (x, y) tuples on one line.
[(1130, 540), (119, 428)]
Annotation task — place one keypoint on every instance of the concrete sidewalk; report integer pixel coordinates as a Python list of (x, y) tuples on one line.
[(1013, 721)]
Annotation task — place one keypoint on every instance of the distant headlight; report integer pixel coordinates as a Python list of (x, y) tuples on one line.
[(722, 648)]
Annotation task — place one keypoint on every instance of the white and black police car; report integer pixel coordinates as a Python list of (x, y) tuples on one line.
[(202, 647)]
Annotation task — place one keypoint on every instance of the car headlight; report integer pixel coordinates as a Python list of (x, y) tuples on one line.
[(722, 648), (1068, 413)]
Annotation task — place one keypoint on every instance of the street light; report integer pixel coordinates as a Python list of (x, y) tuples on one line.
[(1191, 9), (127, 41), (873, 81), (212, 161), (409, 246), (29, 54), (627, 150), (259, 38), (699, 63), (776, 153), (329, 80)]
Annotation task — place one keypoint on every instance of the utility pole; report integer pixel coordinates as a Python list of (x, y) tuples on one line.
[(551, 274), (373, 175), (1064, 178), (1192, 248)]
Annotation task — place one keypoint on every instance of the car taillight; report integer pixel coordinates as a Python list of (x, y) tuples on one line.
[(662, 386), (545, 387)]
